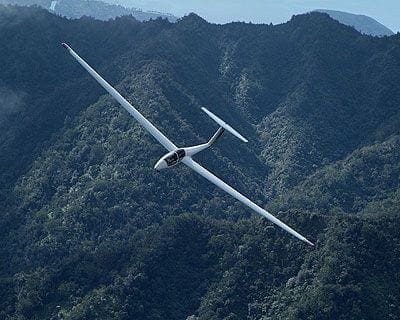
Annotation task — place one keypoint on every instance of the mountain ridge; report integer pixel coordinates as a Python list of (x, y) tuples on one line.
[(93, 8), (362, 23)]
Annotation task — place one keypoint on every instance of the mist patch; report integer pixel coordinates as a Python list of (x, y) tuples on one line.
[(11, 102)]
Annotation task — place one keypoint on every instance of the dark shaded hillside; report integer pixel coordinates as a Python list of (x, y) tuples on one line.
[(366, 176), (91, 231)]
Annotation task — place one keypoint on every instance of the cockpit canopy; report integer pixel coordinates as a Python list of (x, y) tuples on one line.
[(174, 157)]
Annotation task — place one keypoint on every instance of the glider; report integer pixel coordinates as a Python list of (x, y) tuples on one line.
[(176, 155)]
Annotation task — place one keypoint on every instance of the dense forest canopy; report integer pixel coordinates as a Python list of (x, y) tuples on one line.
[(90, 231)]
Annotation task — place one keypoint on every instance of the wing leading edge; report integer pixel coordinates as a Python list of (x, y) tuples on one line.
[(163, 140), (219, 183)]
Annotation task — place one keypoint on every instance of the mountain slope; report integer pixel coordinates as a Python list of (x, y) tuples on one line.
[(362, 23), (90, 230)]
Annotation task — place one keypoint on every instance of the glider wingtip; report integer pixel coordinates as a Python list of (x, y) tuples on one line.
[(206, 110), (309, 243), (65, 45)]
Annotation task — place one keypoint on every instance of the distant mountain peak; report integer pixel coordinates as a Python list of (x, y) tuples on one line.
[(193, 17), (93, 8), (361, 23)]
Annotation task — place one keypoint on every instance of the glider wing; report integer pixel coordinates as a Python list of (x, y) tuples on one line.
[(136, 114), (219, 183)]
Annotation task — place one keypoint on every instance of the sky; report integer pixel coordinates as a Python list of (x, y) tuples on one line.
[(266, 11)]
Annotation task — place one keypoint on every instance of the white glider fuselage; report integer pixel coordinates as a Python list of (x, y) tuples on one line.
[(170, 159), (173, 157)]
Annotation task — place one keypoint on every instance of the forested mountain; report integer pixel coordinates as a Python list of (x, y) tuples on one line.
[(90, 231), (91, 8), (360, 22)]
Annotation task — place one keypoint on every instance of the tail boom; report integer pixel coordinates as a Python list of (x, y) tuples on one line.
[(191, 151), (216, 136)]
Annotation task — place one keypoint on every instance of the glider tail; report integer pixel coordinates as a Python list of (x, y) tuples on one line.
[(216, 136), (224, 125)]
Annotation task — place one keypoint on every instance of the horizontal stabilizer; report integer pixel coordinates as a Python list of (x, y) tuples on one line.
[(224, 125)]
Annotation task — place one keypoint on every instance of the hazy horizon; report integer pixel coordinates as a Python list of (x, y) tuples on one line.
[(267, 11)]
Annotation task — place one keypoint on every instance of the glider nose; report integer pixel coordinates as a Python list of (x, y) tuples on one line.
[(160, 165)]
